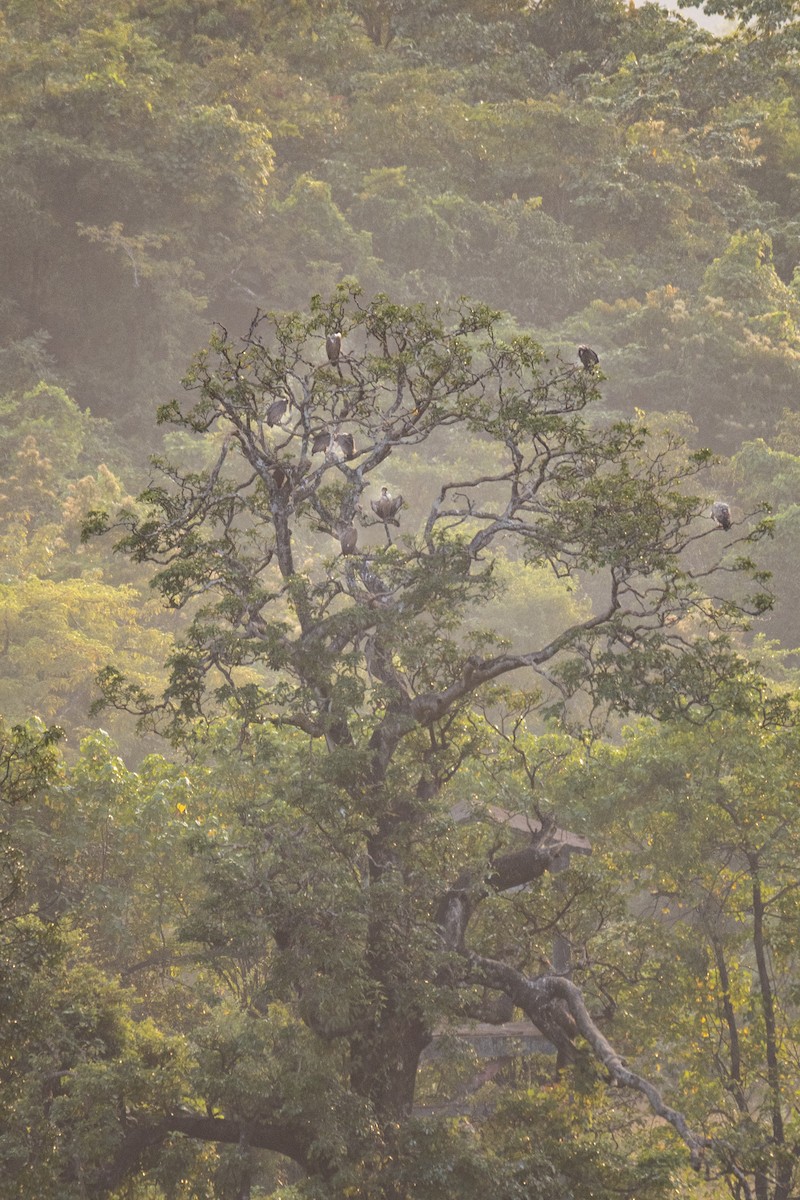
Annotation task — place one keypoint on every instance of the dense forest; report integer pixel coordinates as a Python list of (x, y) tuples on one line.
[(399, 709)]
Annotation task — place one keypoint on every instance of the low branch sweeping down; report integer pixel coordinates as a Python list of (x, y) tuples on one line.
[(551, 1001)]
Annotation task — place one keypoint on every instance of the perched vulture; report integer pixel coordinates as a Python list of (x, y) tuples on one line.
[(276, 411), (342, 446), (721, 514), (348, 539), (337, 446), (281, 479), (387, 507), (333, 346), (588, 357)]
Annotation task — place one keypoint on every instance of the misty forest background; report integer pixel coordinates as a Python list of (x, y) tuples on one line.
[(603, 175), (597, 173)]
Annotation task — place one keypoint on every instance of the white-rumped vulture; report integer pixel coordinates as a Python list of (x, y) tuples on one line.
[(721, 514), (388, 506)]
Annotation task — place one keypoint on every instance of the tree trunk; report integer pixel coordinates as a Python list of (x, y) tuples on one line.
[(783, 1176), (385, 1060)]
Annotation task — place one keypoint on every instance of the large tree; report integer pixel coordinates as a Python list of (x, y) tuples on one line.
[(350, 909)]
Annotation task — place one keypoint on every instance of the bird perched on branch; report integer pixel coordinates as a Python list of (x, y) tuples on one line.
[(387, 506), (281, 479), (337, 446), (342, 447), (333, 347), (588, 357), (721, 514), (276, 412), (348, 539)]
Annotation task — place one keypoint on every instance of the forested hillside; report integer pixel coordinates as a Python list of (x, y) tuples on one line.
[(374, 669)]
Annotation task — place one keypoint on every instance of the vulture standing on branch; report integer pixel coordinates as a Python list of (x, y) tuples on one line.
[(588, 357), (333, 347), (388, 506), (276, 412), (342, 447), (721, 514), (348, 539), (337, 446)]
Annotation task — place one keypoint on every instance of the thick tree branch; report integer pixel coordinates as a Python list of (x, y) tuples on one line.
[(139, 1140), (428, 708), (539, 999), (282, 1138)]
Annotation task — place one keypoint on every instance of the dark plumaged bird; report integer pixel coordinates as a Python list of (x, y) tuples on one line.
[(348, 539), (388, 506), (276, 411), (281, 479), (338, 446), (333, 346), (588, 357), (721, 514)]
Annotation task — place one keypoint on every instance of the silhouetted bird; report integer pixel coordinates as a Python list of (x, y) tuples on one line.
[(588, 357), (333, 346), (721, 514), (276, 411), (388, 506), (348, 539)]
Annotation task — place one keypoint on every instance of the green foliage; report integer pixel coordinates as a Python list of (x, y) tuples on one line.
[(699, 827), (337, 704), (165, 168), (765, 473), (71, 1060), (666, 350), (450, 245), (273, 902), (53, 420), (106, 135), (59, 633), (745, 277), (766, 15), (62, 618), (28, 760), (608, 504), (72, 1055)]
